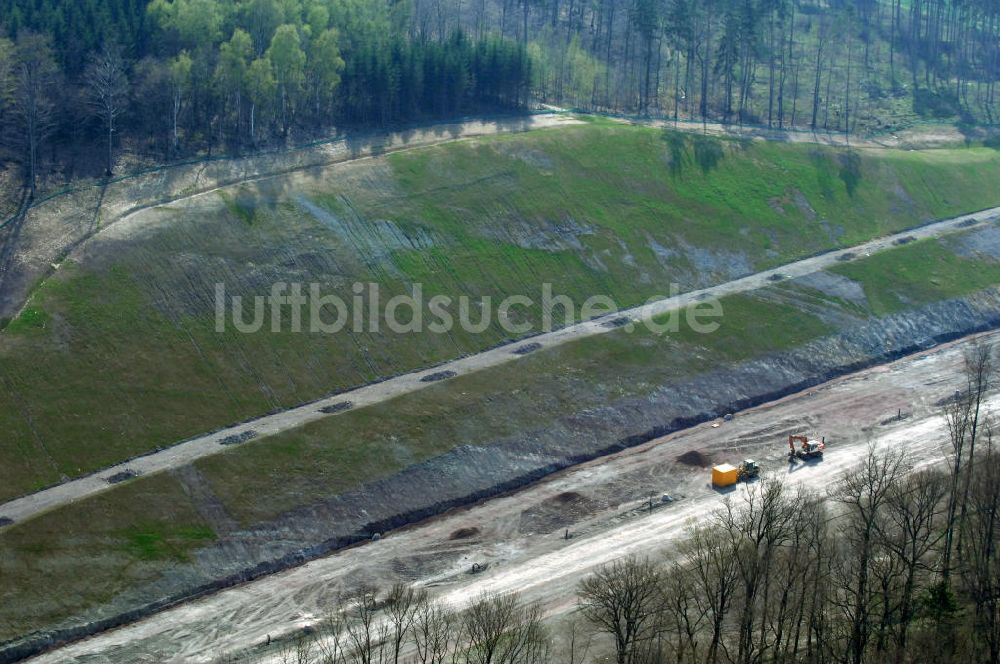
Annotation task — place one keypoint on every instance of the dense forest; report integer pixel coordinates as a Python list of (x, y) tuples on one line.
[(169, 78)]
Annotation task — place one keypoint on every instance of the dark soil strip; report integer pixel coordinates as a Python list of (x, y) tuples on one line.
[(123, 476), (440, 375), (464, 533), (338, 407), (527, 348), (566, 497), (947, 401), (238, 438), (694, 458)]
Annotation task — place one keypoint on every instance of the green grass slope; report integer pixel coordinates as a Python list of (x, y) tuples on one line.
[(73, 559), (117, 354), (342, 453)]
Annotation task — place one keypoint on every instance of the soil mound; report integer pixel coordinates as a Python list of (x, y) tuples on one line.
[(566, 497), (694, 458), (463, 533), (440, 375)]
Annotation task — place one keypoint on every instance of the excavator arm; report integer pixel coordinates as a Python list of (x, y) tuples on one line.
[(792, 439), (808, 448)]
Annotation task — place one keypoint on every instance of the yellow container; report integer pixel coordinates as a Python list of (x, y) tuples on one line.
[(724, 475)]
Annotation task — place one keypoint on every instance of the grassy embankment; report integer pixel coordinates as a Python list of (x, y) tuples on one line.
[(338, 454), (105, 545), (117, 354)]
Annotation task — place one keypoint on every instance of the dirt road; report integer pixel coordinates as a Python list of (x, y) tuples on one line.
[(603, 504), (184, 453)]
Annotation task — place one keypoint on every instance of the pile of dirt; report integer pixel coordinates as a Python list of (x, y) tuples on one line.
[(238, 438), (694, 458), (554, 513), (620, 321), (464, 533), (527, 348), (950, 399), (566, 497), (440, 375), (122, 476), (338, 407)]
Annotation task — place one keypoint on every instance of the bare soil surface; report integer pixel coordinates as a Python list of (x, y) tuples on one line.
[(212, 443), (640, 500), (920, 137)]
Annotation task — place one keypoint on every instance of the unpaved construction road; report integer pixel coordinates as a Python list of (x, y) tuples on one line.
[(178, 455), (603, 504)]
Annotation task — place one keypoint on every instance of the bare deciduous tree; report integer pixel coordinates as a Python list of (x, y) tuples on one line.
[(575, 642), (981, 573), (978, 376), (911, 534), (957, 415), (756, 529), (500, 630), (622, 599), (107, 91), (6, 71), (713, 566), (400, 607), (683, 617), (366, 634), (433, 631), (864, 494), (32, 106), (330, 638), (963, 417)]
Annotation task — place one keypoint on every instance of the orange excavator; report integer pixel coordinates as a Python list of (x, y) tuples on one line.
[(808, 449)]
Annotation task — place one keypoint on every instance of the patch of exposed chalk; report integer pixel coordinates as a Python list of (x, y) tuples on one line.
[(548, 235), (834, 285), (370, 239), (982, 242), (716, 264)]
